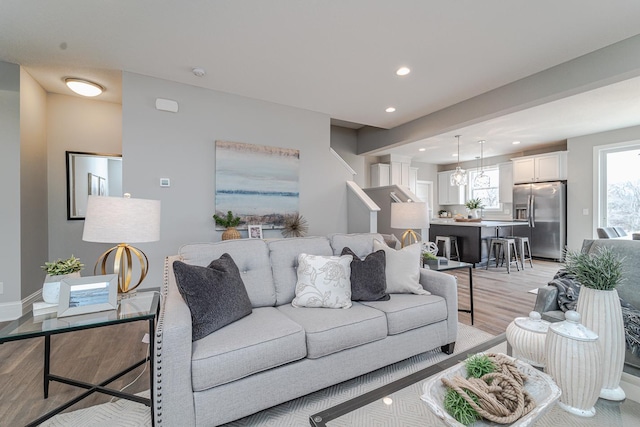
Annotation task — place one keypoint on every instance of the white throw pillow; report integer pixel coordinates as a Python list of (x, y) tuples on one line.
[(323, 281), (403, 269)]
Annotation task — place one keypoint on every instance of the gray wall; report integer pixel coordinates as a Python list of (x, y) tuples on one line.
[(33, 189), (76, 124), (181, 146), (581, 190), (10, 175), (345, 142)]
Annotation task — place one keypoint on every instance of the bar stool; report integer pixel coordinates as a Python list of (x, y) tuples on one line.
[(448, 241), (502, 247), (521, 243)]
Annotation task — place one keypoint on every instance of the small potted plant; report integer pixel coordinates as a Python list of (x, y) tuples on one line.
[(599, 272), (474, 206), (230, 222), (56, 271)]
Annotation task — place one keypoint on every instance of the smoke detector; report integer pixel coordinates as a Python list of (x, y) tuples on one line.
[(199, 72)]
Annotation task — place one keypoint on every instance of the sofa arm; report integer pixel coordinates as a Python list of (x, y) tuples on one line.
[(547, 299), (173, 393), (445, 286)]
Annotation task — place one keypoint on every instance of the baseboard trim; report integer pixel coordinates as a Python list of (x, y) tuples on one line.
[(12, 310)]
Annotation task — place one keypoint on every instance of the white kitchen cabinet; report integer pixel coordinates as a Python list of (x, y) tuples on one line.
[(506, 182), (543, 167), (380, 175), (449, 194), (413, 179)]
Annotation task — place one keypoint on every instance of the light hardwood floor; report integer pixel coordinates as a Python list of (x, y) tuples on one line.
[(93, 355)]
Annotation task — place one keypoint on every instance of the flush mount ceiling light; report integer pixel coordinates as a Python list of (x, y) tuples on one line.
[(403, 71), (84, 87), (422, 149), (516, 142), (482, 179), (459, 177), (390, 110)]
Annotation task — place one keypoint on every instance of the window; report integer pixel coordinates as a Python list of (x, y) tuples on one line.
[(489, 195), (620, 187)]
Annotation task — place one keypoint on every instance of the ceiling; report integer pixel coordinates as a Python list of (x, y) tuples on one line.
[(339, 57)]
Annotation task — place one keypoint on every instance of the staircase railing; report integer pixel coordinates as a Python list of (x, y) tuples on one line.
[(362, 211)]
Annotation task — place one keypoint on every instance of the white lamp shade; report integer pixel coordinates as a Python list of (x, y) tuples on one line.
[(121, 220), (409, 215)]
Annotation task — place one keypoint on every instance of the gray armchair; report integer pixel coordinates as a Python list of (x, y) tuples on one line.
[(607, 233), (629, 290)]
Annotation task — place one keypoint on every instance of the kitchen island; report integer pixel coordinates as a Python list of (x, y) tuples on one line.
[(473, 237)]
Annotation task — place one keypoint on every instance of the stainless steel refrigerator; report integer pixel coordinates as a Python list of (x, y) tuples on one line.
[(543, 206)]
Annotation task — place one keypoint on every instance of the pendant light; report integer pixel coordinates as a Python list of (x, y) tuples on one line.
[(482, 180), (459, 177)]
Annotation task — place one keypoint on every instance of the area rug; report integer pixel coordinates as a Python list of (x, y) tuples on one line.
[(294, 413)]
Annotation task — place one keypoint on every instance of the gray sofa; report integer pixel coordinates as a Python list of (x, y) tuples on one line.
[(629, 290), (280, 352)]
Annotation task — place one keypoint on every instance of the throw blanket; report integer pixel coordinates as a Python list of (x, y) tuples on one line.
[(568, 291)]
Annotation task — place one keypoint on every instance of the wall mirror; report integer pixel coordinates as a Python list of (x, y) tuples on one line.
[(91, 174)]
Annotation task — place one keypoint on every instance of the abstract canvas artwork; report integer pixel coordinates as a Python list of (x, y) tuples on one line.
[(257, 183)]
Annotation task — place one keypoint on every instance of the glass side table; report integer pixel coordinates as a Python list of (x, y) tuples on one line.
[(457, 265), (143, 306)]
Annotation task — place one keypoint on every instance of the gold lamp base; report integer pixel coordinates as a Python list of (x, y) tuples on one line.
[(122, 265), (408, 236)]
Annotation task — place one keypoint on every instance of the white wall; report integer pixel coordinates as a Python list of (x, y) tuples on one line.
[(181, 146), (581, 193)]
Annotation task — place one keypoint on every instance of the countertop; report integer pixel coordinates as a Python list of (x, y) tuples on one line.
[(485, 223)]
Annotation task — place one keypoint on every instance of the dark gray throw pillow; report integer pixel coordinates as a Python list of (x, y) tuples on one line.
[(368, 279), (216, 294)]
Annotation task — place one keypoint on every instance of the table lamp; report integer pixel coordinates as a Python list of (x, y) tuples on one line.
[(117, 220), (409, 215)]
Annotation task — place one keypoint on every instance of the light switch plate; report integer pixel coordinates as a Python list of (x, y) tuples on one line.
[(165, 182), (585, 211)]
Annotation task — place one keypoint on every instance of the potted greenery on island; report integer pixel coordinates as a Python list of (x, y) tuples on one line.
[(56, 271), (474, 206), (230, 222)]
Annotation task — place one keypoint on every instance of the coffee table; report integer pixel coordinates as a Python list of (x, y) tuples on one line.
[(398, 404), (143, 306)]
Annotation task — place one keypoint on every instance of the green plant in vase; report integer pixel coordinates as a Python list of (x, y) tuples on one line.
[(230, 222), (56, 271), (599, 272), (474, 206), (63, 266)]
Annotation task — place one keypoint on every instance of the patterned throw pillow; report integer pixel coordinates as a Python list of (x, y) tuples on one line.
[(403, 269), (323, 281)]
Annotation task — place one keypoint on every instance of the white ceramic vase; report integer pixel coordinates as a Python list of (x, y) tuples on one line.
[(51, 287), (574, 361), (527, 336), (601, 312)]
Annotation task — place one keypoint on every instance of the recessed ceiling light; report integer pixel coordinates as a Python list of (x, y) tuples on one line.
[(390, 110), (84, 87), (455, 154), (422, 149), (403, 71), (516, 142)]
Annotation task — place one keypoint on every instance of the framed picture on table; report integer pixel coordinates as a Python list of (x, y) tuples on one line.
[(80, 295), (255, 231)]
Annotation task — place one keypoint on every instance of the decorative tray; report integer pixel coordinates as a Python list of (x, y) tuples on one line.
[(539, 385), (468, 219)]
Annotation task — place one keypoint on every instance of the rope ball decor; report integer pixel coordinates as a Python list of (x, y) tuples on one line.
[(497, 396)]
